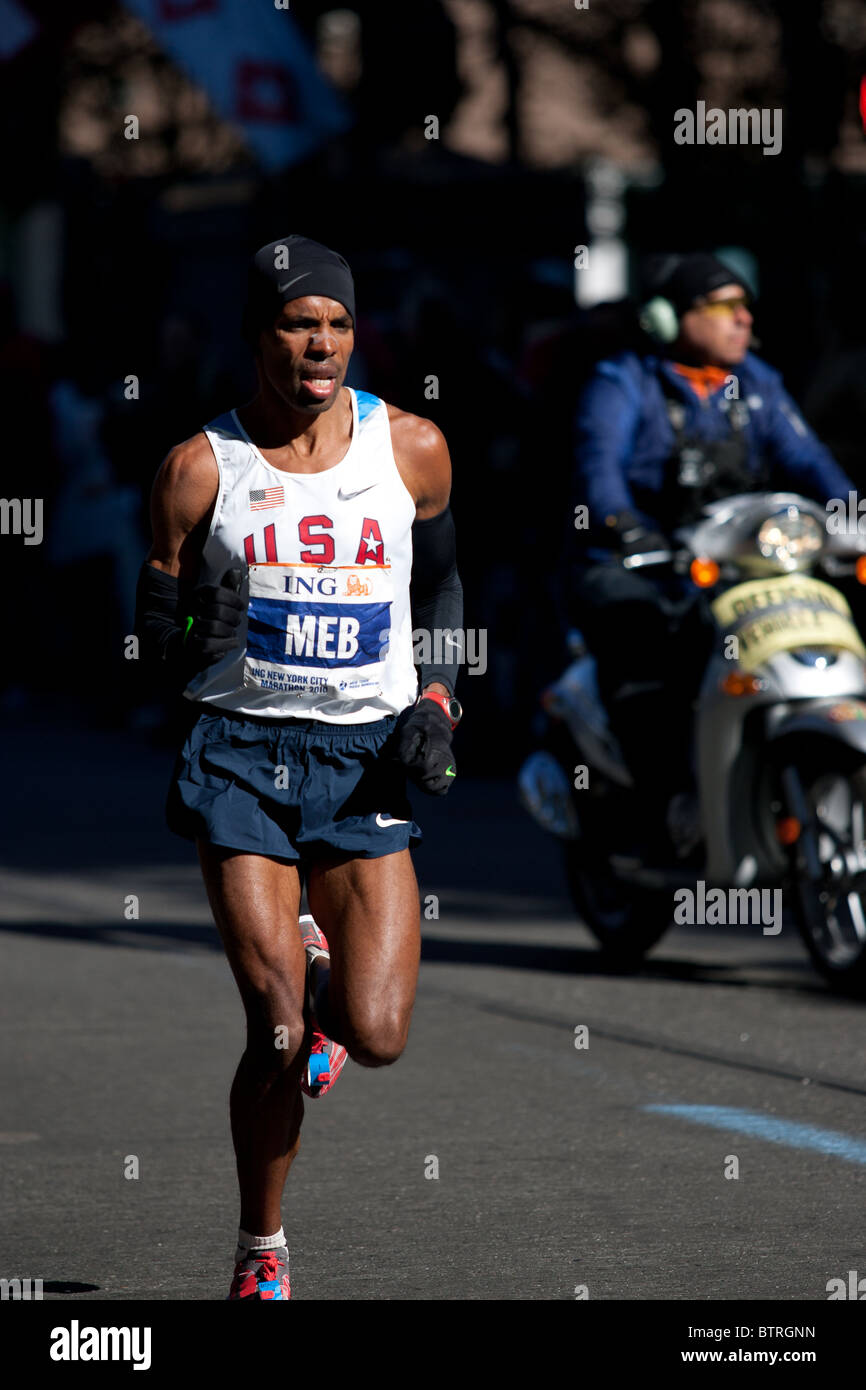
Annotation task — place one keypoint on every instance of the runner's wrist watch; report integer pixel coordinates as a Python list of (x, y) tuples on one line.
[(450, 706)]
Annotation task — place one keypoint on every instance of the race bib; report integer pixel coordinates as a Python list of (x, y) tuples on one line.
[(318, 629)]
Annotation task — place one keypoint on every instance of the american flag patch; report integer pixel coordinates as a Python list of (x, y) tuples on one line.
[(264, 497)]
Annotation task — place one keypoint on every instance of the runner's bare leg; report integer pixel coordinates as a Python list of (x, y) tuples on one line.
[(369, 911), (370, 914), (255, 902)]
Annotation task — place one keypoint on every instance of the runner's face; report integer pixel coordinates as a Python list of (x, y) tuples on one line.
[(717, 337), (304, 356)]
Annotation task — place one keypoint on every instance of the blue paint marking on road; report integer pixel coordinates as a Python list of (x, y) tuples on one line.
[(775, 1131)]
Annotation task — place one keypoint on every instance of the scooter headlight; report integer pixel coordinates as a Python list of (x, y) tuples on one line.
[(790, 538)]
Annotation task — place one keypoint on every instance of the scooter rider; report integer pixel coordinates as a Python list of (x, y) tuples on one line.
[(657, 437)]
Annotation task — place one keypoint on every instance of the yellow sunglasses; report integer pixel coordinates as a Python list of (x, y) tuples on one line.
[(725, 306)]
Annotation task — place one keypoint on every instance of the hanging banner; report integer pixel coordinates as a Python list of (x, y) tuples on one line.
[(256, 67)]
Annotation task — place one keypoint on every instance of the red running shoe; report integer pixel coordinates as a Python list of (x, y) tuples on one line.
[(327, 1058), (263, 1274)]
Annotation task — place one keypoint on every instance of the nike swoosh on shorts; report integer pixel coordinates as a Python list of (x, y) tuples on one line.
[(380, 820)]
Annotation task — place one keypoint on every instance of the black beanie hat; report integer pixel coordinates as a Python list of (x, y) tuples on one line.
[(291, 268), (694, 276)]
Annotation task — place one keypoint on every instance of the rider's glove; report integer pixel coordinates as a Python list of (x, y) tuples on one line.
[(423, 745), (634, 536)]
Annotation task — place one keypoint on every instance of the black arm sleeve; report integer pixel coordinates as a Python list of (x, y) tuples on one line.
[(436, 597), (158, 622)]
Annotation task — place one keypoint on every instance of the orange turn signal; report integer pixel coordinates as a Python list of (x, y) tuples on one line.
[(739, 683), (787, 830), (860, 569), (705, 573)]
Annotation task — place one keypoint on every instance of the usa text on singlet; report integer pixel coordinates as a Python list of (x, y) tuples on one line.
[(326, 559)]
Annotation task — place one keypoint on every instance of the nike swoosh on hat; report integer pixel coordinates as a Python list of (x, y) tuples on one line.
[(380, 820), (289, 283)]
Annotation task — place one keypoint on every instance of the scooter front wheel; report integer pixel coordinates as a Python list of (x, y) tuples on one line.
[(625, 920)]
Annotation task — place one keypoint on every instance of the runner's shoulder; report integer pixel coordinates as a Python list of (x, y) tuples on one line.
[(414, 433), (422, 458), (188, 478)]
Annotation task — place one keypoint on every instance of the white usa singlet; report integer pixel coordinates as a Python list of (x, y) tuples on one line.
[(326, 559)]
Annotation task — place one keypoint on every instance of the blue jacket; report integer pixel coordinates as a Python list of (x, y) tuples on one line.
[(625, 439)]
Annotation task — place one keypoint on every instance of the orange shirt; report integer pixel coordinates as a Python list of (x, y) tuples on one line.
[(703, 380)]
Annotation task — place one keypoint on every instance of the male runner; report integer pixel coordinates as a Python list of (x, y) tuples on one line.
[(277, 592)]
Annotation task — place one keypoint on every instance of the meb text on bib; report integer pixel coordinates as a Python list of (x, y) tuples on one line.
[(318, 628)]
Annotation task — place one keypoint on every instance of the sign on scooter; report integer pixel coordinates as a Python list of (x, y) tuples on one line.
[(774, 615)]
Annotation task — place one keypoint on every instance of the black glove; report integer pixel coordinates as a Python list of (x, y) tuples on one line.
[(183, 632), (215, 612), (635, 536), (423, 745)]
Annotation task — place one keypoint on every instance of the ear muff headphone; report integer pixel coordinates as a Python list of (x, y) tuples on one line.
[(659, 319)]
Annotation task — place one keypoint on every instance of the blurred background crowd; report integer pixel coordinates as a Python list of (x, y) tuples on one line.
[(457, 152)]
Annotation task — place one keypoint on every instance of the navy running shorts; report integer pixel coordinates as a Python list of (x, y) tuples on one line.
[(292, 789)]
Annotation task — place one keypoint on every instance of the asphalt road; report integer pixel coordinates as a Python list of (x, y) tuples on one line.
[(555, 1171)]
